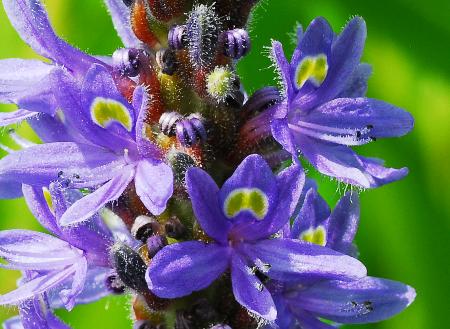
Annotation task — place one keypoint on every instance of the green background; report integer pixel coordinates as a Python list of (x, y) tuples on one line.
[(404, 229)]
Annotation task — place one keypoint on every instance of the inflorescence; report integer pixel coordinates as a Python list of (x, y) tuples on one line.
[(159, 177)]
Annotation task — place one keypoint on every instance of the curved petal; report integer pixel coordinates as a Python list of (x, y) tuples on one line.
[(344, 164), (154, 185), (287, 259), (99, 85), (51, 129), (356, 121), (120, 15), (250, 292), (37, 286), (255, 176), (92, 203), (14, 117), (68, 296), (78, 116), (308, 321), (289, 184), (43, 163), (203, 192), (317, 39), (94, 288), (357, 84), (283, 135), (284, 69), (25, 82), (314, 212), (30, 20), (182, 268), (343, 223), (38, 205), (361, 301), (345, 55), (10, 190), (35, 313)]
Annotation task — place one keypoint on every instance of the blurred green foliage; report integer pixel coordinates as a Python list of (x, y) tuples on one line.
[(404, 229)]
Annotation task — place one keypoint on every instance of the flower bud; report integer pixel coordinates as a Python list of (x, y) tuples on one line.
[(220, 83), (129, 267), (180, 163), (203, 26)]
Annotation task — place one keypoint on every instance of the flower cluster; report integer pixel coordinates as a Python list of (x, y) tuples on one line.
[(134, 149)]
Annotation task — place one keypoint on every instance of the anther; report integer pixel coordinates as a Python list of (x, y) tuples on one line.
[(114, 285), (155, 243), (259, 286), (177, 37), (167, 61), (144, 227), (174, 228), (236, 43), (167, 122), (128, 61)]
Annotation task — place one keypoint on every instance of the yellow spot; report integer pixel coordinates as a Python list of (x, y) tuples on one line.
[(314, 69), (48, 199), (246, 199), (316, 236), (105, 111)]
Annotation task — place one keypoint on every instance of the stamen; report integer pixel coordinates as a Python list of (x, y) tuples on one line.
[(354, 138)]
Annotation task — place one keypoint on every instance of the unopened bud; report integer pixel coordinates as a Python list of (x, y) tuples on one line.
[(129, 267), (220, 83)]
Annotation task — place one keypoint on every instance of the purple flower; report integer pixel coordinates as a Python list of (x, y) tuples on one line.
[(71, 259), (324, 112), (113, 154), (362, 300), (31, 84), (241, 218)]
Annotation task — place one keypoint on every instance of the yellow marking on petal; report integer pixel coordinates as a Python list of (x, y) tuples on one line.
[(246, 199), (48, 199), (105, 111), (317, 236), (314, 69)]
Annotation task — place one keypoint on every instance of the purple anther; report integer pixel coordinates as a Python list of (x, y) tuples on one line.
[(167, 122), (199, 128), (236, 43), (177, 37), (127, 61), (155, 243), (186, 133)]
